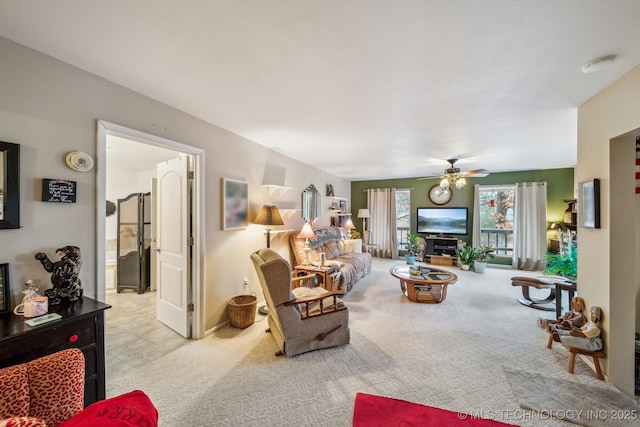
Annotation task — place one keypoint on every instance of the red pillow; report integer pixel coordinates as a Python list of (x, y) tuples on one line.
[(129, 409)]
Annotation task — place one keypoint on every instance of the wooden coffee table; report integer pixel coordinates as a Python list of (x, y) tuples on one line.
[(429, 286)]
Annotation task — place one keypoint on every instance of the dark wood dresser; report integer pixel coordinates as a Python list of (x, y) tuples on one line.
[(81, 326)]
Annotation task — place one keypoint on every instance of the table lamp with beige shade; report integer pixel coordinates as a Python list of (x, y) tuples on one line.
[(306, 233), (349, 226)]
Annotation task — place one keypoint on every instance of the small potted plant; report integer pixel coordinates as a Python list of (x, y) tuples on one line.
[(413, 247), (466, 256), (483, 254)]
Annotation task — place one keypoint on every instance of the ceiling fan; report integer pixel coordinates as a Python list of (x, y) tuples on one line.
[(453, 177)]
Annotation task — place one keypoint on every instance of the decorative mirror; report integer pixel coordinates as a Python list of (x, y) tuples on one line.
[(9, 185), (311, 204), (5, 293)]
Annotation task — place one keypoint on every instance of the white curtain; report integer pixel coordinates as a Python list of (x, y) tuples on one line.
[(530, 226), (381, 203), (475, 233)]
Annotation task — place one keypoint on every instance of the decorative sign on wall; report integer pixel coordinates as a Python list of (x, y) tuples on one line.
[(58, 191)]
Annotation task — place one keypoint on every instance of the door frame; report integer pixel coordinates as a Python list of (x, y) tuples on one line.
[(198, 273)]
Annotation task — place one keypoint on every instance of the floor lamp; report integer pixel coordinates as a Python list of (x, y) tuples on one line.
[(364, 214), (269, 215)]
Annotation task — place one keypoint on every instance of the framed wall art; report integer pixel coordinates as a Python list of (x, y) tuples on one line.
[(235, 204), (5, 294), (589, 204)]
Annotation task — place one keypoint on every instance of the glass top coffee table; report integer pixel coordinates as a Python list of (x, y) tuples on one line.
[(423, 283)]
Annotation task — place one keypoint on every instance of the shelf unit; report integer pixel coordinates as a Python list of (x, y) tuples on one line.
[(441, 250), (288, 213), (272, 188)]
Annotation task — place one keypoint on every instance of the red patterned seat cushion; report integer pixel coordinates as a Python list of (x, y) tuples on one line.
[(57, 386), (127, 410), (23, 422), (14, 392)]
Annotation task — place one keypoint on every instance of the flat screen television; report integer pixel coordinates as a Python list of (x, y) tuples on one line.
[(443, 221)]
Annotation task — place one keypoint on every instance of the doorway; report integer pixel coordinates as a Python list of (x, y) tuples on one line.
[(134, 335)]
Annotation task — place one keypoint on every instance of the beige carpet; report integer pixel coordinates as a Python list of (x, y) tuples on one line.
[(449, 355), (586, 405)]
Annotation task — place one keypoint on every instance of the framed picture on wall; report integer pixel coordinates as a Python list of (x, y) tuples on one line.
[(589, 204), (235, 204), (5, 304)]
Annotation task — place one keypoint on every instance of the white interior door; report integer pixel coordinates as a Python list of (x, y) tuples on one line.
[(172, 246), (154, 235)]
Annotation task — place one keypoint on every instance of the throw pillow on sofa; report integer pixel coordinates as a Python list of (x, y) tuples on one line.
[(353, 246), (127, 410)]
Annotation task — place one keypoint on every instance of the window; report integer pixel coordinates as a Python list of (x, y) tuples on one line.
[(403, 217), (496, 217)]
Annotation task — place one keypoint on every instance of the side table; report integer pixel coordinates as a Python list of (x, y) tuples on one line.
[(327, 275), (369, 246)]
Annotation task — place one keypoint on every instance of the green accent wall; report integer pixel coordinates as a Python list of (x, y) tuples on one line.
[(560, 186)]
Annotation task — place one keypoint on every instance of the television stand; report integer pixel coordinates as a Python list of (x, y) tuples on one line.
[(440, 259), (441, 250)]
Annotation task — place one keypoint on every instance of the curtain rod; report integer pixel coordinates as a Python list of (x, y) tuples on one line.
[(397, 189)]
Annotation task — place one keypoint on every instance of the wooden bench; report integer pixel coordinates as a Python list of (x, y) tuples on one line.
[(596, 355), (539, 304)]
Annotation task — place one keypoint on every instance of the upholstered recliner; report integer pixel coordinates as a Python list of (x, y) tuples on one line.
[(300, 319)]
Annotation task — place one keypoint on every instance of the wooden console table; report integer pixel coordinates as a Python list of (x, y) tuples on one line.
[(81, 326)]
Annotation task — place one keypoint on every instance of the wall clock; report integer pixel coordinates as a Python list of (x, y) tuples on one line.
[(438, 196), (79, 161)]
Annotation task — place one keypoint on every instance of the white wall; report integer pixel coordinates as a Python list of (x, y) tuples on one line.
[(607, 126), (51, 108)]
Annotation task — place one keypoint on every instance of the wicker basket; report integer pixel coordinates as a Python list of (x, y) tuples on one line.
[(242, 310)]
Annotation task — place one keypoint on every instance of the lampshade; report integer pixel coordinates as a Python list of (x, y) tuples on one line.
[(306, 232), (364, 213), (349, 224), (269, 215), (444, 184)]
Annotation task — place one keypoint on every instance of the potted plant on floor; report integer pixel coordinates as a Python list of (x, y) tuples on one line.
[(564, 264), (466, 256), (414, 245), (483, 254)]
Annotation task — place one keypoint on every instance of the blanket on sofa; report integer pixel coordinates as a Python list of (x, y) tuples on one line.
[(346, 256)]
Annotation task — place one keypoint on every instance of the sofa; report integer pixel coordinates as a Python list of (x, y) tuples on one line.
[(49, 392), (348, 257)]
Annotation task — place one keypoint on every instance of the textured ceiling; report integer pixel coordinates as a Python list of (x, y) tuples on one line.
[(361, 89)]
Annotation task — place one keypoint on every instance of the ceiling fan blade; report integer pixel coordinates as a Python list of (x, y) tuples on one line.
[(430, 177), (475, 173)]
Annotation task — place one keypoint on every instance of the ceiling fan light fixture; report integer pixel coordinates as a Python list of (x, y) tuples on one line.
[(598, 64), (444, 184), (460, 183)]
